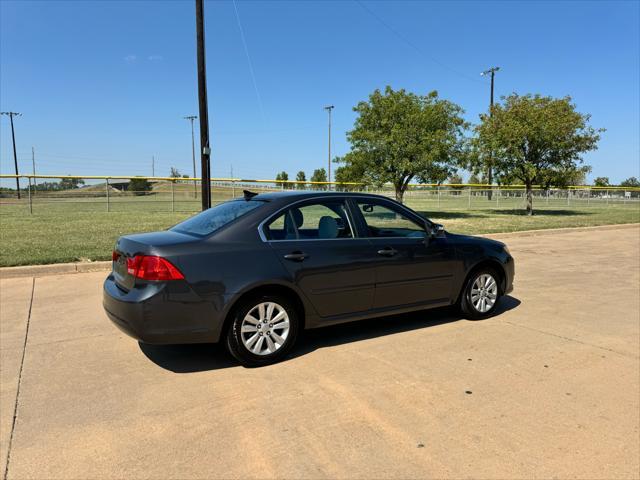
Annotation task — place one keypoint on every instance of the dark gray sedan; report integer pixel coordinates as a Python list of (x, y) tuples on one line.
[(254, 271)]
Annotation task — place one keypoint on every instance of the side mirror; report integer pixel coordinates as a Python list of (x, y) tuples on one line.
[(436, 230)]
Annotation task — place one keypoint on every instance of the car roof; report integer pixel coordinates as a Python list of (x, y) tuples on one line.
[(302, 194)]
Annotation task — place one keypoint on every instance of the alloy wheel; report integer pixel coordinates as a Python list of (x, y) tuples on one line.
[(265, 328), (484, 293)]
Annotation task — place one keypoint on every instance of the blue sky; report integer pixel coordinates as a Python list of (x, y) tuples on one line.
[(103, 85)]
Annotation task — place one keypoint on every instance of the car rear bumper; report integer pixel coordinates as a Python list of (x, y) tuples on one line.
[(155, 314)]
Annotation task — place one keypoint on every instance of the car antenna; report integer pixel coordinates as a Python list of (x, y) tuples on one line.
[(248, 195)]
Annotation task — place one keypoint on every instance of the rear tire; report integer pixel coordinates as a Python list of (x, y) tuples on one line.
[(264, 328), (481, 294)]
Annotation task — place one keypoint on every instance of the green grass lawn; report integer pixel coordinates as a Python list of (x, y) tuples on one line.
[(84, 230)]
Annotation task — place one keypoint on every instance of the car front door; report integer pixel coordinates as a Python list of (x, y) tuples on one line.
[(315, 242), (411, 268)]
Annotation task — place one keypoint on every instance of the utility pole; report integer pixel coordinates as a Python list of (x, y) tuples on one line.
[(153, 165), (33, 165), (328, 108), (191, 118), (492, 71), (15, 156), (205, 148)]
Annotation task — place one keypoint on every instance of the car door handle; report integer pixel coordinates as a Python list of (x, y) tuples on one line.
[(387, 252), (296, 256)]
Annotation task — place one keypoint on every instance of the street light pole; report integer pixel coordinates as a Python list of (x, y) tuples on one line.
[(328, 108), (492, 71), (193, 153), (13, 137), (205, 149)]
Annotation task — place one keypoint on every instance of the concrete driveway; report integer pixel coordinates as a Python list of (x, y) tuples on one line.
[(548, 388)]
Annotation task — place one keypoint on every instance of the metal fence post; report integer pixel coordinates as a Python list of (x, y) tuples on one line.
[(497, 197), (30, 204), (233, 188), (106, 188), (568, 197), (438, 188), (173, 195), (469, 197)]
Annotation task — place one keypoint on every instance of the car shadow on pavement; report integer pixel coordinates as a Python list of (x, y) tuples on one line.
[(205, 357)]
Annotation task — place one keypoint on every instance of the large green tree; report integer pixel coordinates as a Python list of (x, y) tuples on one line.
[(601, 182), (399, 136), (352, 172), (534, 140)]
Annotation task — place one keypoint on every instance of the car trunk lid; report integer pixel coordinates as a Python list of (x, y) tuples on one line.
[(129, 246)]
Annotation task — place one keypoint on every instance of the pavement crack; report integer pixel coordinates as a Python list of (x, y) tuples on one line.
[(74, 339), (15, 406), (574, 340)]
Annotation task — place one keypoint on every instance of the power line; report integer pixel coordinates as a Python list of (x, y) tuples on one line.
[(246, 51), (412, 45)]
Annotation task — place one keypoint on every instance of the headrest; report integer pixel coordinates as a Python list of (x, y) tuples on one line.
[(328, 227)]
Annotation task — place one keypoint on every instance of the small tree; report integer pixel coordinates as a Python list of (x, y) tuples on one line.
[(301, 177), (601, 182), (631, 182), (319, 175), (139, 186), (282, 176), (70, 183), (399, 136), (455, 180), (175, 173), (534, 139)]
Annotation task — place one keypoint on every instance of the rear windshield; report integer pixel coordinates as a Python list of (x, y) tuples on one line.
[(207, 222)]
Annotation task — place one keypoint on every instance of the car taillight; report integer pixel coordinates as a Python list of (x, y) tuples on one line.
[(115, 256), (148, 267)]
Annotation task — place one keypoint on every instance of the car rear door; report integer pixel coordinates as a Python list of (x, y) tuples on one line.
[(315, 242), (411, 269)]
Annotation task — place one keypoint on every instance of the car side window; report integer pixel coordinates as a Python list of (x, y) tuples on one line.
[(319, 220), (384, 222)]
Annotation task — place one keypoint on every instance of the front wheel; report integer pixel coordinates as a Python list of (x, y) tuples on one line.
[(263, 331), (481, 294)]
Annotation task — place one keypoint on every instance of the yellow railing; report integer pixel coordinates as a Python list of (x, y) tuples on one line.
[(305, 182)]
